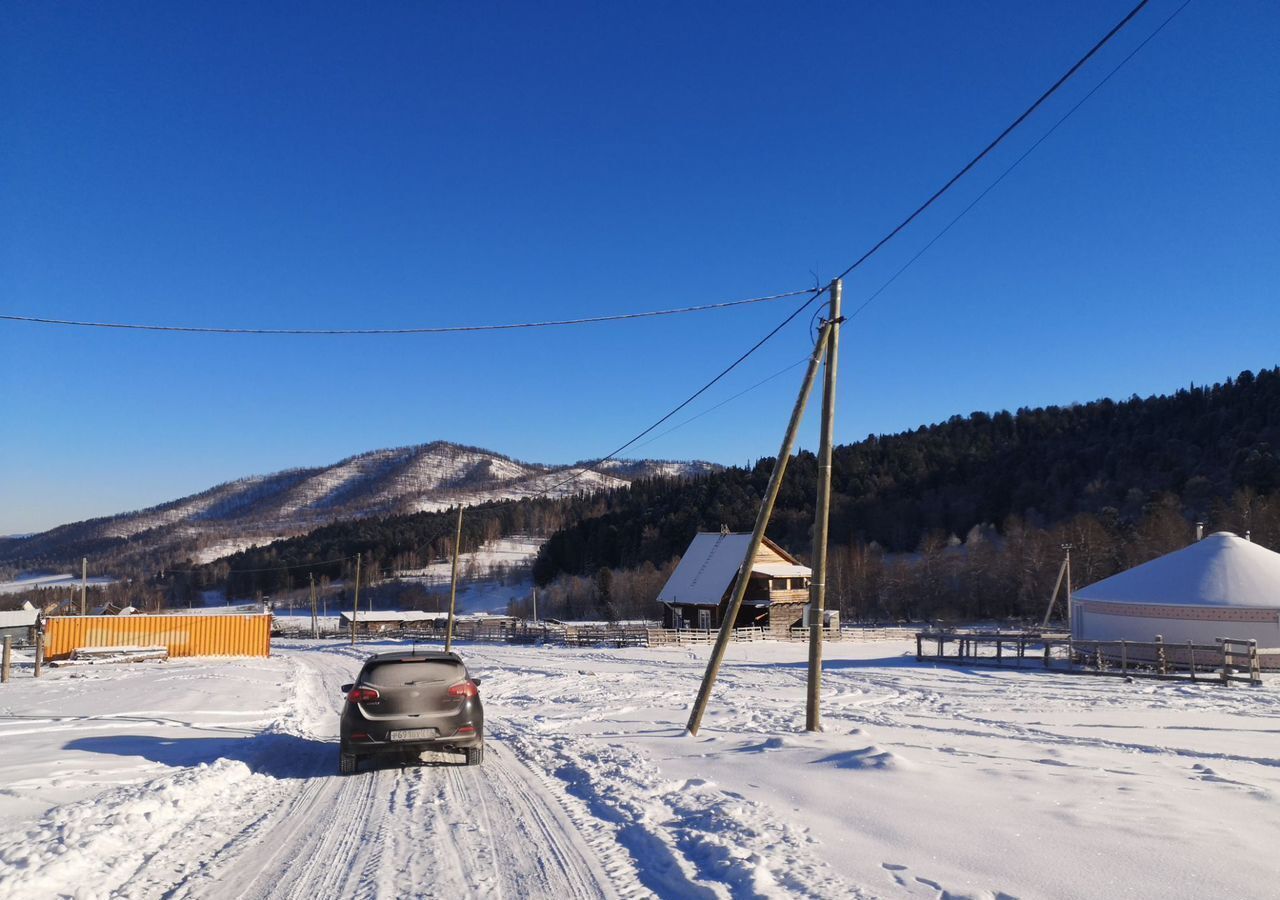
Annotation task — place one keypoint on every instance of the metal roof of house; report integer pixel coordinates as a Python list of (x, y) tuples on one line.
[(709, 566), (19, 618)]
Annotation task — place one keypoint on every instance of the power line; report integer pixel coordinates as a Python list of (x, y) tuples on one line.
[(1017, 162), (1000, 137), (1066, 76), (725, 402), (817, 292), (442, 329)]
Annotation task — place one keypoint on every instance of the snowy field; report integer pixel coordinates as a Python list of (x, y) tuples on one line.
[(216, 779), (29, 581)]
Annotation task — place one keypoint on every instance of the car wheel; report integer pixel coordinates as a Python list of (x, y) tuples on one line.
[(475, 755), (348, 763)]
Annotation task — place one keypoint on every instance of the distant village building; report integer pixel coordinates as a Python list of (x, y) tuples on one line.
[(1222, 586), (697, 593), (20, 625), (379, 622)]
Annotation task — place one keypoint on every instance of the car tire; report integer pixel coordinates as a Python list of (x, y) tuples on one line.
[(475, 755), (348, 763)]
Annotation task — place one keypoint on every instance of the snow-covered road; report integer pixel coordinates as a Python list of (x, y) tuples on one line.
[(217, 779), (252, 807)]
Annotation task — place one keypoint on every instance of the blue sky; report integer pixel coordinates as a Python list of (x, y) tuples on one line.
[(398, 164)]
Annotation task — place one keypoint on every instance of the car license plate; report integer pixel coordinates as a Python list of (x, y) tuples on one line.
[(413, 734)]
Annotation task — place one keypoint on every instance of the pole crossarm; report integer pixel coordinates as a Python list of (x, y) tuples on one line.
[(757, 535)]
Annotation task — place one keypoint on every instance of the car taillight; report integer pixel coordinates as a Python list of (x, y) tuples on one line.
[(363, 695), (466, 729), (463, 689), (359, 736)]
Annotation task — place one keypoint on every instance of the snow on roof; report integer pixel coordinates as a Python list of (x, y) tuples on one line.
[(414, 615), (709, 566), (411, 616), (782, 570), (1221, 570), (19, 618)]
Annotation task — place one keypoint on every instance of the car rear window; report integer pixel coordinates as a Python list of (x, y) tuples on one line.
[(393, 674)]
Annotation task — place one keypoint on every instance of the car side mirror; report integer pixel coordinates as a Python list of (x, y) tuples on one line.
[(346, 688), (476, 682)]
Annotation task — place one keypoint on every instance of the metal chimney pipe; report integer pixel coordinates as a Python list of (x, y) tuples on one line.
[(1248, 535), (1199, 530)]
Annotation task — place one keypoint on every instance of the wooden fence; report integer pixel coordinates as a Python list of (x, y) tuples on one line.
[(1225, 661)]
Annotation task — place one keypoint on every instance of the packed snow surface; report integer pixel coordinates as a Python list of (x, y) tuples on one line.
[(204, 778)]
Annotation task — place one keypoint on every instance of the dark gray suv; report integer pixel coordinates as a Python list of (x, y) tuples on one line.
[(404, 703)]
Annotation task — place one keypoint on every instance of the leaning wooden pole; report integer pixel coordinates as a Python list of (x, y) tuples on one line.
[(453, 583), (1053, 598), (757, 535), (818, 584)]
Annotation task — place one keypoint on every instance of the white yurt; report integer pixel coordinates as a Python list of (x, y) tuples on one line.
[(1221, 586)]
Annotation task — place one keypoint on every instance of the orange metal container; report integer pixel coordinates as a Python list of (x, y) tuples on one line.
[(183, 635)]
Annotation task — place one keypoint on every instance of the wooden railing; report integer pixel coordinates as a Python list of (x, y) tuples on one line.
[(1226, 660)]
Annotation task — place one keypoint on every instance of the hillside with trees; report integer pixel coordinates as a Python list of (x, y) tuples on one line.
[(965, 518)]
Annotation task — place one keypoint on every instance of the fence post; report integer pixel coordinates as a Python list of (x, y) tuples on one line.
[(1124, 657), (1161, 660), (8, 659), (39, 652), (1191, 659)]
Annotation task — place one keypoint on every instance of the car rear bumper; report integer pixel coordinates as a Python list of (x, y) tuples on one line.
[(457, 743)]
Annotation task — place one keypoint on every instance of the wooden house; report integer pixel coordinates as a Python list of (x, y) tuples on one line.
[(698, 591)]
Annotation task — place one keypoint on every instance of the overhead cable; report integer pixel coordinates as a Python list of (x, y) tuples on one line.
[(595, 464), (434, 329), (998, 139), (1017, 162)]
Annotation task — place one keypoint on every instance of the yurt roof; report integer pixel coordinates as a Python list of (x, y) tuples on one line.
[(1221, 570)]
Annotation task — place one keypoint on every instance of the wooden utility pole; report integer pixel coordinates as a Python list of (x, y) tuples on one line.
[(84, 585), (757, 535), (818, 584), (535, 604), (39, 652), (355, 607), (1064, 569), (453, 583), (6, 660), (1067, 563), (315, 623)]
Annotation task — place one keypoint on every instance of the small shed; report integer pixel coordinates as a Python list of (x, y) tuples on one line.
[(19, 625), (697, 593)]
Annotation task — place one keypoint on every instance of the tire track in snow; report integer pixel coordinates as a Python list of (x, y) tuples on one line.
[(390, 832)]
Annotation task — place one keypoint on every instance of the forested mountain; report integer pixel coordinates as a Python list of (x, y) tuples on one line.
[(262, 509), (1122, 480), (961, 518)]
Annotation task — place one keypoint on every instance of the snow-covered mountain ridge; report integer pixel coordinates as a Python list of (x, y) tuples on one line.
[(262, 508)]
